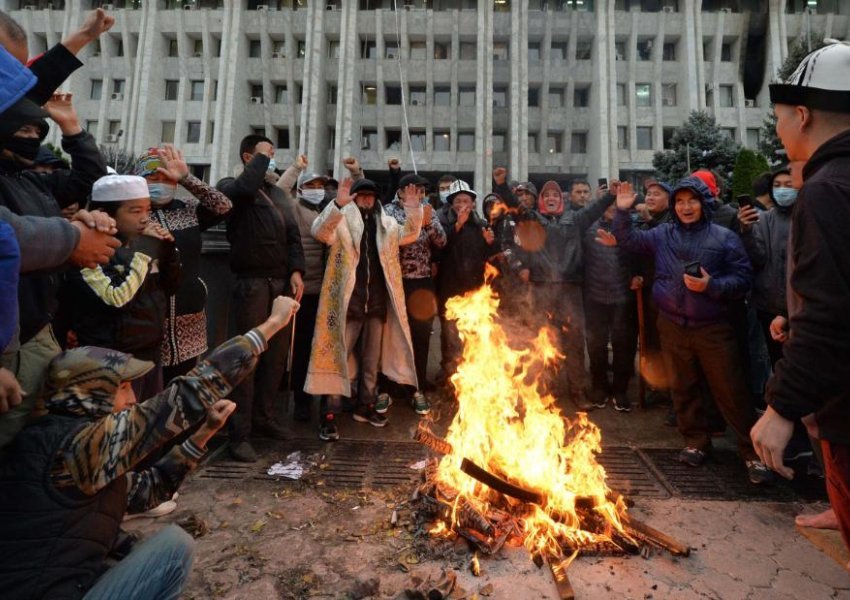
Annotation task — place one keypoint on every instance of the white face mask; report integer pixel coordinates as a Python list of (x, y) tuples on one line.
[(444, 197), (161, 193), (785, 196), (313, 197)]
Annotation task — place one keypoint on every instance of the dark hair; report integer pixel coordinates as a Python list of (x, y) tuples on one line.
[(110, 208), (249, 142), (763, 183), (576, 182), (12, 28), (447, 178)]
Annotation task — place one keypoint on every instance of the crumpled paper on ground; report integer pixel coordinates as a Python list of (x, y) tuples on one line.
[(292, 467)]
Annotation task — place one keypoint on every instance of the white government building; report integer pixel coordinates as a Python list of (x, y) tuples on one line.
[(570, 88)]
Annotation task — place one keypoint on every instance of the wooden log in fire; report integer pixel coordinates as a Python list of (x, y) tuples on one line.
[(562, 580), (424, 436), (499, 484), (643, 532)]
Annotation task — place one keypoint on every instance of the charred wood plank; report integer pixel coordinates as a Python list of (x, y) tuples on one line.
[(424, 436), (649, 534), (499, 484), (558, 569)]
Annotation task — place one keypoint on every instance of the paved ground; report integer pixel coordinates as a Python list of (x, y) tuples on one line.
[(307, 539)]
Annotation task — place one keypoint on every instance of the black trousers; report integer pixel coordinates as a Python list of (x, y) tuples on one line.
[(305, 325), (256, 396), (421, 301), (614, 322)]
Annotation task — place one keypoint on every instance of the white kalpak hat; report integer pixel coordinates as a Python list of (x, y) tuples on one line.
[(117, 188), (822, 80)]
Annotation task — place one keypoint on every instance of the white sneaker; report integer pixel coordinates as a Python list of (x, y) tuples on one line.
[(167, 507)]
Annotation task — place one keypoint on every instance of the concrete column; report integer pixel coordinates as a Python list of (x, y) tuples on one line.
[(518, 134), (228, 131), (602, 147), (313, 137), (484, 101), (142, 100), (694, 96), (348, 92)]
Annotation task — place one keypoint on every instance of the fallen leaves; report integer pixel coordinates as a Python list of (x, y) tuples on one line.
[(257, 527)]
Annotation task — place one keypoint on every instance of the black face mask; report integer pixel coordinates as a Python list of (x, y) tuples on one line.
[(24, 147)]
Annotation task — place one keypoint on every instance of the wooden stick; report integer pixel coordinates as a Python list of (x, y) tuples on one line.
[(656, 537), (426, 438), (562, 580)]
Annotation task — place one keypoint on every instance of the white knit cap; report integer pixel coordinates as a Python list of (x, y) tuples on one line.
[(822, 80), (117, 188)]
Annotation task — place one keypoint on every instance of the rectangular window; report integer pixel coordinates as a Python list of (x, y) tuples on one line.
[(581, 96), (644, 50), (333, 49), (391, 50), (172, 87), (644, 138), (466, 96), (168, 131), (217, 46), (466, 141), (753, 138), (91, 127), (282, 137), (533, 51), (197, 90), (211, 132), (500, 97), (643, 94), (331, 137), (556, 97), (726, 52), (369, 49), (500, 51), (499, 141), (370, 94), (668, 94), (534, 96), (553, 143), (255, 49), (279, 48), (173, 48), (726, 96), (332, 94), (302, 49), (584, 50), (442, 96), (669, 53), (370, 139), (117, 86), (532, 143), (393, 139), (418, 95), (468, 51), (114, 127), (442, 50), (578, 142), (417, 140), (620, 51), (281, 95), (442, 141), (96, 89), (198, 47), (418, 50), (622, 137), (119, 47), (729, 132), (257, 91), (193, 132), (392, 95), (621, 94), (214, 90), (667, 137), (558, 50)]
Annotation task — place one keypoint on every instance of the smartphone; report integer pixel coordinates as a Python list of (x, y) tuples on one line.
[(603, 182), (693, 269), (745, 200)]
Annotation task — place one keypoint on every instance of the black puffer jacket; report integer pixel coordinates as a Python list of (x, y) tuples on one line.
[(767, 246), (461, 261), (607, 269), (811, 376)]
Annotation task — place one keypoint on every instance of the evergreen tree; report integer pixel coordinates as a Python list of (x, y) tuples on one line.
[(700, 142), (748, 166)]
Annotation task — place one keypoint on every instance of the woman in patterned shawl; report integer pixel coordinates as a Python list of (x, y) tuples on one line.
[(186, 324)]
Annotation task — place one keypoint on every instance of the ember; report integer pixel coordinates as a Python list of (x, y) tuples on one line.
[(514, 469)]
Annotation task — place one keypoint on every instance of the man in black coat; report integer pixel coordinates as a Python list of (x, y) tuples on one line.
[(267, 258)]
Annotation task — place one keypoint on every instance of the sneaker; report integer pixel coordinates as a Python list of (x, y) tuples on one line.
[(328, 431), (167, 507), (420, 404), (371, 416), (758, 473), (243, 452), (598, 398), (383, 404), (622, 403), (693, 457)]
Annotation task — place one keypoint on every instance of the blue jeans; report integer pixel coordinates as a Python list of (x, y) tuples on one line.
[(157, 569)]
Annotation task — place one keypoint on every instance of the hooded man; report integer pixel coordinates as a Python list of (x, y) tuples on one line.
[(68, 478), (552, 250), (810, 382), (700, 268)]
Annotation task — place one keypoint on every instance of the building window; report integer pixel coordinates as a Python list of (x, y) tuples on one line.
[(466, 96), (302, 49), (442, 51), (553, 143), (391, 50), (91, 127), (644, 138), (168, 132), (532, 143), (257, 92), (558, 51), (468, 51), (282, 135), (706, 51), (281, 95), (331, 137), (753, 138), (533, 51), (667, 137), (500, 97), (173, 48), (442, 96), (172, 87), (620, 50), (556, 97), (533, 96), (499, 141), (392, 95), (370, 94), (621, 94), (119, 47), (96, 89), (118, 86), (726, 96), (193, 132), (217, 46), (279, 48), (622, 137), (442, 141), (333, 49), (393, 139), (418, 50), (668, 94), (669, 53), (466, 141), (644, 50), (197, 90), (643, 94), (370, 139), (198, 47), (332, 94), (500, 51), (211, 132), (417, 140), (726, 52), (729, 132), (114, 127), (581, 96), (584, 50), (418, 95), (255, 49), (578, 142), (214, 90)]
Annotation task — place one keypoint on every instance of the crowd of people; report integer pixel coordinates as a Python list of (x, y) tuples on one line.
[(109, 393)]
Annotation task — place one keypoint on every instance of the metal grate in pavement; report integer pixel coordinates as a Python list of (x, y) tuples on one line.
[(629, 475)]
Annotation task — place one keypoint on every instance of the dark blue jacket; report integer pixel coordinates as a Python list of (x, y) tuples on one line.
[(719, 251), (10, 266)]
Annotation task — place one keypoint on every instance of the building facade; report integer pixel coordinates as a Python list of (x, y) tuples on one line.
[(569, 88)]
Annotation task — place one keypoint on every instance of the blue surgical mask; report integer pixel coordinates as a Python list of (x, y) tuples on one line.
[(161, 193), (784, 196), (444, 197), (313, 197), (272, 166)]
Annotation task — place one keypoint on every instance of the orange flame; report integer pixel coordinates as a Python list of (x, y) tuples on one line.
[(506, 426)]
